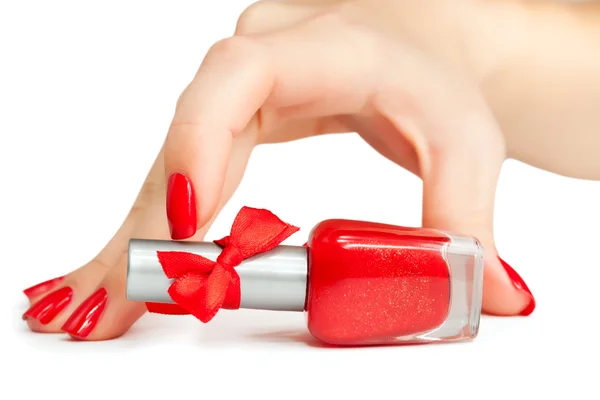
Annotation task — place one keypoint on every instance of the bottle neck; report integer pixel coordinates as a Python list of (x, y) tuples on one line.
[(274, 280)]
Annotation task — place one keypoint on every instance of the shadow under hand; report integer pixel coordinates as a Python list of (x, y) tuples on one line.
[(259, 327), (291, 336)]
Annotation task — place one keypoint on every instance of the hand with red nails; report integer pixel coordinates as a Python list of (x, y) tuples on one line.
[(438, 87)]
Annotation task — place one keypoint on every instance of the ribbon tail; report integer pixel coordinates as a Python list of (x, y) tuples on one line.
[(216, 289), (189, 292), (233, 294), (166, 309)]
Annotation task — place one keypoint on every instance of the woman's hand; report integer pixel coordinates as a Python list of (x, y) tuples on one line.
[(396, 72), (403, 74)]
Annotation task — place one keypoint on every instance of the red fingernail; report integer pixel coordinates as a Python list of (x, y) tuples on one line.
[(181, 207), (48, 307), (84, 319), (521, 285), (42, 288)]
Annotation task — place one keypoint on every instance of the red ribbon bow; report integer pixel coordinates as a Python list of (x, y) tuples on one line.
[(202, 286)]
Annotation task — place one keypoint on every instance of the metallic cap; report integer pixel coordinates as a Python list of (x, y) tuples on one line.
[(274, 280)]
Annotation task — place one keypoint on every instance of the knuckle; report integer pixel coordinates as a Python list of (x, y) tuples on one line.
[(252, 18), (181, 98), (236, 48)]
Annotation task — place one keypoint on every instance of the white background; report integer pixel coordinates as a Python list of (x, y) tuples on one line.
[(86, 95)]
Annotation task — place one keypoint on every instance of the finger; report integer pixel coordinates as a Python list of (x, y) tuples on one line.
[(51, 302), (460, 168), (104, 311), (308, 70), (229, 88), (51, 309)]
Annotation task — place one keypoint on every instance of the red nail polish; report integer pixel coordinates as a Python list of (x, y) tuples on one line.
[(360, 283), (181, 207), (42, 288), (48, 307), (84, 319), (520, 284)]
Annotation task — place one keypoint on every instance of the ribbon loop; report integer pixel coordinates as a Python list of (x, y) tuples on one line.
[(202, 286)]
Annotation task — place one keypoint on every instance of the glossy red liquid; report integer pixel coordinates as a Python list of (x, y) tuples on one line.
[(372, 283)]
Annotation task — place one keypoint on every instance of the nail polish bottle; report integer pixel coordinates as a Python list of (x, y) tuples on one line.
[(359, 283)]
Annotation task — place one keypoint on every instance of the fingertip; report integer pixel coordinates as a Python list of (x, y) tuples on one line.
[(505, 292), (530, 307), (521, 286), (196, 162)]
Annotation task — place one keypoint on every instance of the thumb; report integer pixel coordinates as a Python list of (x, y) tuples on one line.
[(460, 174)]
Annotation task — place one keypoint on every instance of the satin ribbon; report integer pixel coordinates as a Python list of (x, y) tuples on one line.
[(202, 286)]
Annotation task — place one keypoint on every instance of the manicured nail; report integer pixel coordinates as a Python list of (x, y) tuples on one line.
[(48, 307), (83, 320), (42, 288), (520, 284), (181, 207)]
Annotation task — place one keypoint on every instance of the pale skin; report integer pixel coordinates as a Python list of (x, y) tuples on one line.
[(446, 89)]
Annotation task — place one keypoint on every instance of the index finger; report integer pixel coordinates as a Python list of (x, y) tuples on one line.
[(311, 67), (230, 86)]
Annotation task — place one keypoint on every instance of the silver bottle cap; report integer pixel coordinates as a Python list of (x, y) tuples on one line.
[(274, 280)]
